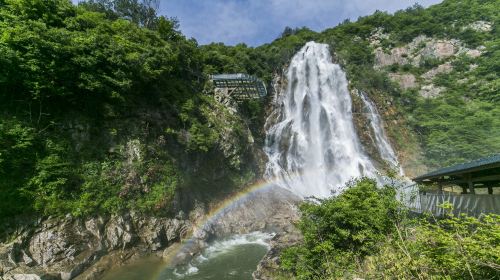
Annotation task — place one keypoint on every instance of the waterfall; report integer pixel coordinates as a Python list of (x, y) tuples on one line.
[(312, 144), (381, 141)]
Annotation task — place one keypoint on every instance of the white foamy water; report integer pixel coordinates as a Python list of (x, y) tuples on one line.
[(223, 246), (381, 141), (313, 146), (220, 250)]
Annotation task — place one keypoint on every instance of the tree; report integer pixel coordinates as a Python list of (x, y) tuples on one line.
[(287, 32), (141, 12)]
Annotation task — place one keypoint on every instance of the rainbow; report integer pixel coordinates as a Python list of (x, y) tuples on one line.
[(233, 200), (217, 212)]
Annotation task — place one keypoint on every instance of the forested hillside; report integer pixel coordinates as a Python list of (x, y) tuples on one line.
[(105, 107), (103, 111)]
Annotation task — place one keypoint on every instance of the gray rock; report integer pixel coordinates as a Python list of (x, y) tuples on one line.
[(6, 266), (270, 263), (418, 50), (174, 229), (152, 233), (48, 246), (441, 69), (395, 56), (405, 81), (440, 48), (27, 259), (480, 26), (430, 91), (474, 53), (95, 226), (270, 210), (24, 277), (119, 232), (64, 248)]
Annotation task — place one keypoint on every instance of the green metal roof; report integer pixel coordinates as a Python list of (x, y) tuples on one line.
[(478, 164), (240, 86)]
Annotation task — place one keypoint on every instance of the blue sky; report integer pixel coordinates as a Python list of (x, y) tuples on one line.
[(255, 22)]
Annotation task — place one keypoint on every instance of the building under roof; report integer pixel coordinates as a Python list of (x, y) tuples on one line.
[(473, 177), (479, 173), (239, 86)]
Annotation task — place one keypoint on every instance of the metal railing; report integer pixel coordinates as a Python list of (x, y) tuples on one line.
[(428, 202)]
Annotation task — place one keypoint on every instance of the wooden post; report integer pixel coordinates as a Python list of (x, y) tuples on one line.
[(464, 189), (490, 189), (471, 184), (440, 185)]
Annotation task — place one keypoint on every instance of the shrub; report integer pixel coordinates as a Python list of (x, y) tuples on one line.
[(451, 248), (342, 229), (364, 232)]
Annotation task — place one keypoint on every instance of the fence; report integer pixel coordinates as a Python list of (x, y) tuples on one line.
[(470, 204)]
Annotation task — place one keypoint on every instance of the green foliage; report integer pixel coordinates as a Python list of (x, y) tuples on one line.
[(142, 13), (54, 181), (72, 58), (365, 233), (18, 145), (342, 229), (100, 190), (68, 75), (457, 130), (451, 248), (162, 193)]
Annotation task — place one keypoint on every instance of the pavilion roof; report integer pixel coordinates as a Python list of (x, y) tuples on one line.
[(476, 165)]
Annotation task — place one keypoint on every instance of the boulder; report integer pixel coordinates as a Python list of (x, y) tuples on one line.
[(119, 232), (57, 241), (95, 226)]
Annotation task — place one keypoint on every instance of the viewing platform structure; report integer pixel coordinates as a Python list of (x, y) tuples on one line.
[(478, 183), (239, 86)]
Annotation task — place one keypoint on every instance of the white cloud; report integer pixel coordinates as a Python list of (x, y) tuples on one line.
[(258, 21)]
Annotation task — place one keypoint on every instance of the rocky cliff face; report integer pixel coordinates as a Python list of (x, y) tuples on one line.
[(420, 52), (73, 248), (64, 248)]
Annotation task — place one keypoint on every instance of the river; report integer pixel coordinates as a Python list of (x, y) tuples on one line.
[(233, 258)]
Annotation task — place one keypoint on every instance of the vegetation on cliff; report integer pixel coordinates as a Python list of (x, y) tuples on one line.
[(103, 109)]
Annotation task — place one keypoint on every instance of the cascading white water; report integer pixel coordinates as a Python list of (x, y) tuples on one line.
[(313, 147), (381, 141)]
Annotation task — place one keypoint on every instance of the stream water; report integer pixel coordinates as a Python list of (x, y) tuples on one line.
[(234, 258), (381, 141)]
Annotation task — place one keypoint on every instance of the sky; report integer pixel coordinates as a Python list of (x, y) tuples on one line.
[(255, 22)]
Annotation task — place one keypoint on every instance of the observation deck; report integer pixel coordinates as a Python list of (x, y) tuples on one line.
[(239, 86)]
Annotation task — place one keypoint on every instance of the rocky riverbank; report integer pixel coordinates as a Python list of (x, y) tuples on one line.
[(74, 248), (269, 265), (64, 248)]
